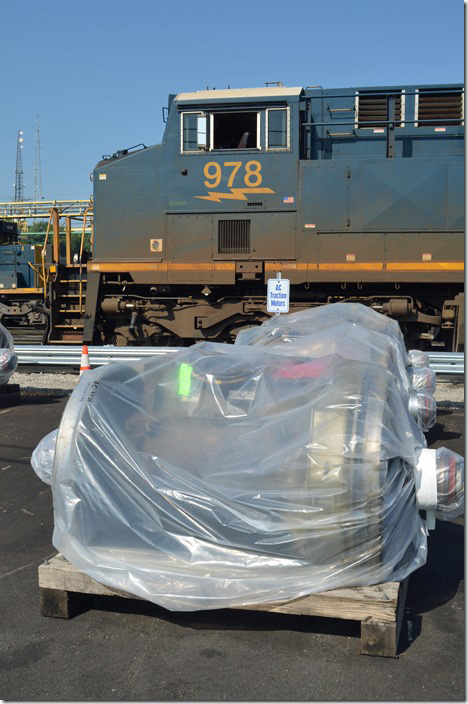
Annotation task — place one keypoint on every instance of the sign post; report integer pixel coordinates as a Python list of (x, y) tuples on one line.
[(278, 295)]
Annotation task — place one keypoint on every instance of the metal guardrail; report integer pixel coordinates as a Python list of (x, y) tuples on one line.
[(70, 356), (449, 364)]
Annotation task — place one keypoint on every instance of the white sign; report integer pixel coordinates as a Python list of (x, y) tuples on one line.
[(278, 296)]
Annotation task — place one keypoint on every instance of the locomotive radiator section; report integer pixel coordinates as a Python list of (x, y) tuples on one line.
[(352, 194)]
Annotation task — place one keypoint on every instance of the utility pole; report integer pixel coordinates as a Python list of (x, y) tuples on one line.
[(37, 164), (19, 186)]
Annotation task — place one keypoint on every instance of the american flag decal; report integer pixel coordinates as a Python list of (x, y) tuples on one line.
[(288, 199)]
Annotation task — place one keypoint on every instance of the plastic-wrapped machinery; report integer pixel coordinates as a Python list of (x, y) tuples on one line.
[(42, 459), (228, 475), (384, 337), (450, 484), (8, 359)]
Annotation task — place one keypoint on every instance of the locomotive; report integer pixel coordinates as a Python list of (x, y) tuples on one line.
[(353, 194), (23, 307)]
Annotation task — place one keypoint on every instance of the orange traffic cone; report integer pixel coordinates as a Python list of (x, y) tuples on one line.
[(84, 367)]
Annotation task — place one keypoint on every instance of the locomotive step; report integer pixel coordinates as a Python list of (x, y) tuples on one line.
[(70, 325), (63, 591)]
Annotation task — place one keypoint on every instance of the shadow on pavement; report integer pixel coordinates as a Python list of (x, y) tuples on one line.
[(438, 434), (438, 581), (430, 587)]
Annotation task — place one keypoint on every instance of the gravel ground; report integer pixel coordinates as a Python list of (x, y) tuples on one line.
[(447, 395), (62, 384)]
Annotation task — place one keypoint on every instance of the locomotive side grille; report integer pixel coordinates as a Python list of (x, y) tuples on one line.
[(445, 108), (372, 110), (233, 236)]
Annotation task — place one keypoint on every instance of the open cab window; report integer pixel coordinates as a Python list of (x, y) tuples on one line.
[(220, 131), (228, 131), (235, 130)]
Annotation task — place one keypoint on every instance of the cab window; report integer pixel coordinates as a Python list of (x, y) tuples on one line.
[(189, 136), (235, 130), (202, 132), (277, 128)]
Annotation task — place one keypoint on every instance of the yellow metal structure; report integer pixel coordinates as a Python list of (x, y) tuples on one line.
[(20, 210)]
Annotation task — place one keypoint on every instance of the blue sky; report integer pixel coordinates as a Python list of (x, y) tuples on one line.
[(97, 72)]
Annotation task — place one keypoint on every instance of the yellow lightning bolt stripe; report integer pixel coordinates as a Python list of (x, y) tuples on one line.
[(235, 194)]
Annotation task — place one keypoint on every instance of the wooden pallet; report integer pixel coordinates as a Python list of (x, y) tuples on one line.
[(379, 608)]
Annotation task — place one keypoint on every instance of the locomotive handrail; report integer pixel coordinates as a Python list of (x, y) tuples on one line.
[(81, 260), (36, 270), (387, 122), (43, 253)]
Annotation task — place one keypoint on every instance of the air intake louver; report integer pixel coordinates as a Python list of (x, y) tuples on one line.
[(372, 110), (438, 109), (233, 236)]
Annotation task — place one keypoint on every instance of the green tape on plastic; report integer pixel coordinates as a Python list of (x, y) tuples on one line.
[(185, 379)]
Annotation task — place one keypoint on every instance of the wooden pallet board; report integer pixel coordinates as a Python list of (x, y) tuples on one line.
[(379, 608)]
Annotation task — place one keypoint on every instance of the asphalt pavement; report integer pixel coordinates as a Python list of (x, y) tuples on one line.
[(124, 650)]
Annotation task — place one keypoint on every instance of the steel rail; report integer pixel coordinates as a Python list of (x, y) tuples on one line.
[(443, 363)]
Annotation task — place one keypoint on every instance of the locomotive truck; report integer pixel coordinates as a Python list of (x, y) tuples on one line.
[(353, 194)]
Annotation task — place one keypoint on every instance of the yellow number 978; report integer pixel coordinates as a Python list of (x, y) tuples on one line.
[(212, 171)]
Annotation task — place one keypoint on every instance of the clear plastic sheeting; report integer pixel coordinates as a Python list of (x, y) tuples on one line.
[(224, 475), (418, 358), (423, 407), (354, 331), (286, 328), (351, 330), (423, 379), (450, 469), (42, 459), (8, 359)]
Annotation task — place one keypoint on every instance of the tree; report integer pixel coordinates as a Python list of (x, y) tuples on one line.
[(36, 235)]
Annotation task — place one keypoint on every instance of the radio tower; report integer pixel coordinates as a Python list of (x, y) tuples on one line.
[(37, 164), (19, 186)]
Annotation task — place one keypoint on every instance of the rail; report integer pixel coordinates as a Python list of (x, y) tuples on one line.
[(445, 364)]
